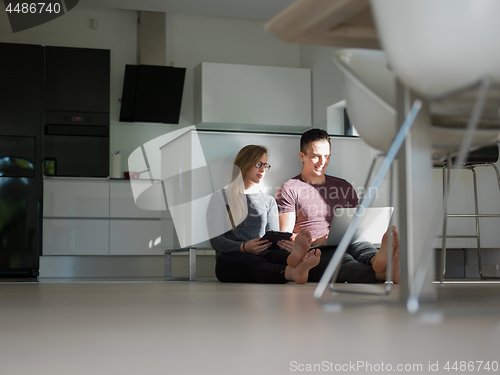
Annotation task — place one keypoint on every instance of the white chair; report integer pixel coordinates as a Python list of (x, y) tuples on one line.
[(370, 90), (440, 49)]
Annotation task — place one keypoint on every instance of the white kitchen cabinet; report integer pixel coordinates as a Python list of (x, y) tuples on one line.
[(251, 95), (99, 217), (76, 198), (122, 203), (135, 237), (75, 237)]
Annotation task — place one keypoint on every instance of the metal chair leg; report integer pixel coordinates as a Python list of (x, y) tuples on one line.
[(426, 259)]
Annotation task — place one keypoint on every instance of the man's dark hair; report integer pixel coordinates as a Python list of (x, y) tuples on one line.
[(313, 135)]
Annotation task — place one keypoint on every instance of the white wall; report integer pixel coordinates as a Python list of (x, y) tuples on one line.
[(327, 81)]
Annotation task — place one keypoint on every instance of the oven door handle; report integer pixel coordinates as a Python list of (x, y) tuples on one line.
[(77, 130)]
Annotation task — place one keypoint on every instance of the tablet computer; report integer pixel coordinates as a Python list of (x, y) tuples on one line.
[(275, 236)]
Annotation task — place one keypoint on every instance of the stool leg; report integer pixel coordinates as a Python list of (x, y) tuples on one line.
[(446, 179), (168, 266), (478, 233), (192, 264)]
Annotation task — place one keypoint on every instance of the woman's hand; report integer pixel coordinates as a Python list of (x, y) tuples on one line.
[(286, 245), (255, 246)]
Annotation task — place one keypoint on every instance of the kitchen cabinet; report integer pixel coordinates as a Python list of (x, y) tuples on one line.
[(133, 231), (77, 80), (122, 203), (75, 237), (76, 198), (99, 217), (252, 97), (135, 237)]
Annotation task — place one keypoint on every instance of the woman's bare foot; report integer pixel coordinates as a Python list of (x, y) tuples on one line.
[(300, 248), (300, 273), (379, 261)]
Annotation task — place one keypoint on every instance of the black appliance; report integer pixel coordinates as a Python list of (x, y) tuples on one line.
[(21, 82), (76, 130), (152, 93), (72, 149)]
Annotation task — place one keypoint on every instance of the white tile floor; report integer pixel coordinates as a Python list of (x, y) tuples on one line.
[(75, 327)]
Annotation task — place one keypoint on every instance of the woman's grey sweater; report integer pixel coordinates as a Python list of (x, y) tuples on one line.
[(262, 216)]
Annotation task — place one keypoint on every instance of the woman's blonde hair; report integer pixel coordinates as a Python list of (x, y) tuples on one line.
[(245, 160)]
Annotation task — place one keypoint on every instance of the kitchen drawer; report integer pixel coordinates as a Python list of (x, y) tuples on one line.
[(135, 237), (75, 237), (76, 198), (122, 202)]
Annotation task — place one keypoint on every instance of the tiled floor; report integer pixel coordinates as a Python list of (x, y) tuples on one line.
[(157, 327)]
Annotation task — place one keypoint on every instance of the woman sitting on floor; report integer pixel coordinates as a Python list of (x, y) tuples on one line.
[(240, 215)]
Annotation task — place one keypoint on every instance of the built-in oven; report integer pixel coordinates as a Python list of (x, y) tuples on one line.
[(76, 145)]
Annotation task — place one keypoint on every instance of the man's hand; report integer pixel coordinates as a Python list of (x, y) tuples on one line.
[(319, 241)]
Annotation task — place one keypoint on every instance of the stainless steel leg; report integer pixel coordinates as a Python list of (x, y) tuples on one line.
[(497, 173), (478, 216), (192, 264), (390, 250), (478, 233), (446, 179), (168, 266)]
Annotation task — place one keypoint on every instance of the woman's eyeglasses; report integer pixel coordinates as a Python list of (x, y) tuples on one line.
[(260, 164)]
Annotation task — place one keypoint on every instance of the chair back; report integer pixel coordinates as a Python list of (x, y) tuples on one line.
[(370, 92), (438, 47)]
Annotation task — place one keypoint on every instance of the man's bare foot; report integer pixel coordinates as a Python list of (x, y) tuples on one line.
[(300, 248), (382, 275), (395, 268), (300, 273), (379, 261)]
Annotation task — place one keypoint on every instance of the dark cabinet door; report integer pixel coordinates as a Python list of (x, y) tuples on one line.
[(23, 61), (77, 79), (21, 82), (21, 106)]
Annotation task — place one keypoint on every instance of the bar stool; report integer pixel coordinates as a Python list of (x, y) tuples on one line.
[(484, 157)]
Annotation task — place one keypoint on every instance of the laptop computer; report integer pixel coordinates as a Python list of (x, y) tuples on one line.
[(374, 223)]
